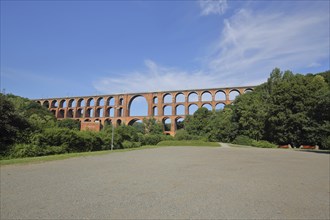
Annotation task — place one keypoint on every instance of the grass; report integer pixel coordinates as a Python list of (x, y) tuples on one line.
[(28, 160), (65, 156), (188, 143)]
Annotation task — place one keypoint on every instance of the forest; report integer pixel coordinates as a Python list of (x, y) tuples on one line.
[(287, 109)]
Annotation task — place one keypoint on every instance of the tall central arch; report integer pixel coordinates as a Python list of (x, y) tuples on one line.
[(138, 106)]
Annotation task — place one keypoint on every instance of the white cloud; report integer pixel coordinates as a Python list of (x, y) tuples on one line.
[(155, 78), (213, 6), (251, 44)]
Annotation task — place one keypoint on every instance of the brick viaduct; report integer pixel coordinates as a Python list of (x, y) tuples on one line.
[(168, 107)]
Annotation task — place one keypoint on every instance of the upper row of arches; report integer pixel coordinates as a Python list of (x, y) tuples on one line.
[(166, 98)]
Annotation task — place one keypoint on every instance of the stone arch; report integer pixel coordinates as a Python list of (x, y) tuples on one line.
[(220, 95), (248, 90), (206, 96), (71, 103), (99, 112), (155, 111), (87, 120), (110, 101), (89, 113), (155, 100), (107, 122), (118, 122), (179, 110), (121, 101), (192, 97), (90, 102), (167, 110), (131, 122), (69, 114), (179, 123), (167, 98), (120, 112), (208, 106), (233, 94), (220, 106), (54, 112), (110, 112), (138, 106), (46, 104), (167, 124), (81, 103), (63, 103), (180, 98), (60, 113), (100, 101), (54, 104), (79, 113), (192, 108)]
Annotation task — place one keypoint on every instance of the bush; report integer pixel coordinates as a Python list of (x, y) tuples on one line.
[(243, 140), (152, 139), (31, 150), (263, 144), (130, 144)]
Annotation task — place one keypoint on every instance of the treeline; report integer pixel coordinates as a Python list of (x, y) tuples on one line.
[(28, 129), (287, 109)]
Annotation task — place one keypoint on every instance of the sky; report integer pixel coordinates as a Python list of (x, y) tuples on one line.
[(83, 48)]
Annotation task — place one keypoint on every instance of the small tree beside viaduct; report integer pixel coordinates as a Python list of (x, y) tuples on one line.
[(168, 107)]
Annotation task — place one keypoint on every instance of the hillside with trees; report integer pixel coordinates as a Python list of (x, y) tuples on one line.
[(287, 109)]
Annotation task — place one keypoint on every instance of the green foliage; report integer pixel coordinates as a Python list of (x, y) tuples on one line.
[(152, 126), (130, 144), (263, 144), (222, 126), (196, 124), (31, 150), (69, 123), (250, 113), (188, 143), (12, 125), (243, 140)]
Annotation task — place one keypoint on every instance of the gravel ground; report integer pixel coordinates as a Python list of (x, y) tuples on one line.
[(171, 183)]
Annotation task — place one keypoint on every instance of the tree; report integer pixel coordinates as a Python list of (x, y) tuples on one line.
[(152, 126), (250, 113), (12, 125), (69, 123), (197, 123), (223, 128)]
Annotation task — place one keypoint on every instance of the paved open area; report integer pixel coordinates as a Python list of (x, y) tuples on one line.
[(171, 183)]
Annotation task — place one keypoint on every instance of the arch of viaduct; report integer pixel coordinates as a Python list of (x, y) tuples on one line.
[(162, 106)]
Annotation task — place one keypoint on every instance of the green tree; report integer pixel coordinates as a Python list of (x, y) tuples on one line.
[(197, 123), (250, 114), (152, 126), (12, 125), (69, 123), (223, 128)]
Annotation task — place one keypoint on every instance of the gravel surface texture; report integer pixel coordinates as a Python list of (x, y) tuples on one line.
[(171, 183)]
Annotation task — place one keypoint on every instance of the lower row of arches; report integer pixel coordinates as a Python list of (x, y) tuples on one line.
[(167, 123)]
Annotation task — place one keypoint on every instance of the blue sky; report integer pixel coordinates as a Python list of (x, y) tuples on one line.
[(75, 48)]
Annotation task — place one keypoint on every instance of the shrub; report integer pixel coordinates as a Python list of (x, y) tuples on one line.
[(243, 140), (31, 150), (130, 144), (263, 144), (152, 139), (25, 150)]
